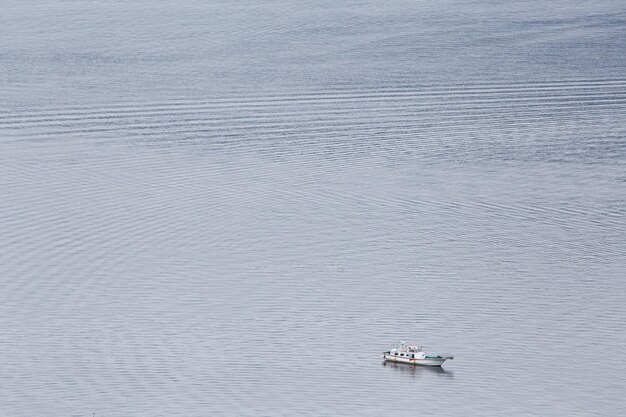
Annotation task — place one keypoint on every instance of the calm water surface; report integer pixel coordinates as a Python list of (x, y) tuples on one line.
[(231, 208)]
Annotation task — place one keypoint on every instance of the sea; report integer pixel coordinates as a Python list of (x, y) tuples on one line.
[(232, 207)]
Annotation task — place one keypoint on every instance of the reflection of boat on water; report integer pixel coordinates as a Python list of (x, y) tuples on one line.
[(414, 355), (405, 368)]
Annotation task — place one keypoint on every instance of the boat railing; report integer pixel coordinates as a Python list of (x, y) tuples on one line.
[(441, 356)]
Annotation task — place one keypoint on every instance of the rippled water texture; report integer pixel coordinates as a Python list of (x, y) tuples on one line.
[(231, 208)]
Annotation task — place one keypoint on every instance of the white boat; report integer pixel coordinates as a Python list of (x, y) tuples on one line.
[(414, 355)]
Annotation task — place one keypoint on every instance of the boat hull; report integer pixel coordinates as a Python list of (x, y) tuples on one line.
[(420, 362)]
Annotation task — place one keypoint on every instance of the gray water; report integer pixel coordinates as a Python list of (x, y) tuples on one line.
[(218, 208)]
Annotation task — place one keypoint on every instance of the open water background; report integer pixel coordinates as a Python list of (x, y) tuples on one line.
[(230, 208)]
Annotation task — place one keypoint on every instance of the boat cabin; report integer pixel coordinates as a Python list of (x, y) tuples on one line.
[(410, 352)]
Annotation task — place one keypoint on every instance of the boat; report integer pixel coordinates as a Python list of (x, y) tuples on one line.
[(414, 355)]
